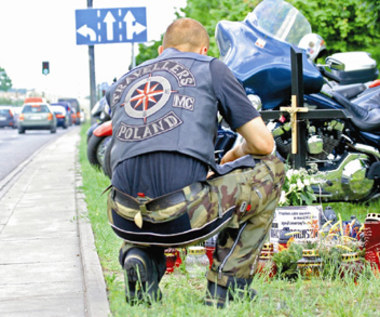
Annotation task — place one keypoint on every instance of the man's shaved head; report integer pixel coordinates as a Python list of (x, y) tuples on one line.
[(186, 34)]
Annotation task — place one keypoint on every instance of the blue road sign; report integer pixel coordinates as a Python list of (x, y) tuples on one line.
[(114, 25)]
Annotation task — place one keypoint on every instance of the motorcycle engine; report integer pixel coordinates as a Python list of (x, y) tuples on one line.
[(322, 139), (340, 170)]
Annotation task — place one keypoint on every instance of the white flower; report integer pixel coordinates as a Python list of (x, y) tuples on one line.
[(300, 185), (282, 198), (289, 173)]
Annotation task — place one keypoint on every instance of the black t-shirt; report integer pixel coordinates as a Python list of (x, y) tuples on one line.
[(159, 173)]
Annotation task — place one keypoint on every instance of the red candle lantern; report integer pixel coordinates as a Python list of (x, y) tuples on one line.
[(170, 255), (351, 265), (265, 264), (372, 239)]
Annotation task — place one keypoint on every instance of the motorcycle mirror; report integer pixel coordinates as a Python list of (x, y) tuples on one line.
[(334, 64)]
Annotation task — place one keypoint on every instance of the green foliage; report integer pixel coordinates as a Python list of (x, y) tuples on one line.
[(330, 256), (286, 261), (217, 10), (147, 51), (345, 25), (360, 210), (5, 81), (8, 101), (232, 10), (94, 182)]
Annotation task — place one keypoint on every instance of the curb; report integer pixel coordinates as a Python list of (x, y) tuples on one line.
[(95, 294)]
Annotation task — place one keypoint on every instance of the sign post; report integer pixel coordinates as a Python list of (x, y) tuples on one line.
[(112, 25), (105, 26), (91, 59)]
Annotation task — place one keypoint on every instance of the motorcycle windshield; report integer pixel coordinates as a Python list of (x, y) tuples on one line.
[(280, 20), (257, 50)]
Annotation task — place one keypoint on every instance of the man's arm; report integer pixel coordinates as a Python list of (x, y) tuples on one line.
[(239, 113), (257, 140)]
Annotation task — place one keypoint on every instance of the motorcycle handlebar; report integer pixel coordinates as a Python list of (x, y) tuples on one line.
[(327, 74)]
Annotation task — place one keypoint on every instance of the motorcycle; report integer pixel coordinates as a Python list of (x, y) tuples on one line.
[(341, 152), (100, 113), (99, 137)]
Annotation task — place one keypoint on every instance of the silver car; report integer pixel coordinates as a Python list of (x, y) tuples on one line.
[(37, 116)]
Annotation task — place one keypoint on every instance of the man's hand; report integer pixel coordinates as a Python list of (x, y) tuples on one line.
[(232, 155), (257, 141)]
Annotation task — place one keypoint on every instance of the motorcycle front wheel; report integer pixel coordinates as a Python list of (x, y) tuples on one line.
[(107, 161), (96, 149)]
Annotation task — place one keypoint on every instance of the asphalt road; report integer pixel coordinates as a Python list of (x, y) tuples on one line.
[(16, 148)]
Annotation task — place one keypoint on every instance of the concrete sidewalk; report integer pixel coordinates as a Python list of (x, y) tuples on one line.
[(48, 263)]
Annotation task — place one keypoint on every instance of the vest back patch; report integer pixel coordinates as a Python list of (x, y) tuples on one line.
[(134, 133), (183, 101), (180, 72)]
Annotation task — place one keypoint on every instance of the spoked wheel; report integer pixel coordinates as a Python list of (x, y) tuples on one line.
[(96, 149), (107, 161)]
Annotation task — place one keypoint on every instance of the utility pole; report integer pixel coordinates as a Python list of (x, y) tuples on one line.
[(91, 57), (133, 55)]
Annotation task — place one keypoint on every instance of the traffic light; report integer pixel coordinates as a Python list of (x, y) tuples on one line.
[(45, 68)]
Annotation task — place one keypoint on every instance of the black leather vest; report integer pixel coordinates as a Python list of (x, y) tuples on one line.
[(166, 104)]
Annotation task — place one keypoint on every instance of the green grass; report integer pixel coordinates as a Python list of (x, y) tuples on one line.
[(183, 296), (360, 210)]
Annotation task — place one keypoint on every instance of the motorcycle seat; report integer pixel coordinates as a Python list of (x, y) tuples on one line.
[(350, 91), (365, 110)]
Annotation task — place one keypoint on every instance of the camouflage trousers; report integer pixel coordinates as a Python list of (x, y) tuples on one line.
[(239, 206)]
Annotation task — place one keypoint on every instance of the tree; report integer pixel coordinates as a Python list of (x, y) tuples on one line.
[(217, 10), (5, 81), (345, 25), (147, 51), (233, 10)]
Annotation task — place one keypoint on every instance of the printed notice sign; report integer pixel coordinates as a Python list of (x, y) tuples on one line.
[(304, 221)]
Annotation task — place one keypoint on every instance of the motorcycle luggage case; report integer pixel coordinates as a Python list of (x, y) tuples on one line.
[(358, 67)]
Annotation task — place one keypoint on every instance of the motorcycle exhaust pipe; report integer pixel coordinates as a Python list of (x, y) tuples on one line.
[(366, 149)]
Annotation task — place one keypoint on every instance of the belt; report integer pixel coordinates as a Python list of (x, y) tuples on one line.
[(158, 203)]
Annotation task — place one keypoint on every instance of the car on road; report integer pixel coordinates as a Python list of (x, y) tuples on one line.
[(68, 109), (75, 106), (63, 117), (16, 113), (73, 116), (7, 118), (34, 99), (37, 116)]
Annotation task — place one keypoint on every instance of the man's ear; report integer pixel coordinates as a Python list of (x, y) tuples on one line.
[(203, 50), (160, 49)]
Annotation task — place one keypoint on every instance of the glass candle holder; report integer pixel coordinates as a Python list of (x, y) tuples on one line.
[(310, 264)]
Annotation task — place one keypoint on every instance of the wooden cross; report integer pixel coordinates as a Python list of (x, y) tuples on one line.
[(293, 120)]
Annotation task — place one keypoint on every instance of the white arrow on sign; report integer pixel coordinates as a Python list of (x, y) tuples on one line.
[(85, 31), (131, 26), (109, 21)]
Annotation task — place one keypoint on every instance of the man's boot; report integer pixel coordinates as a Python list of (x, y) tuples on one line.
[(236, 289), (141, 277)]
